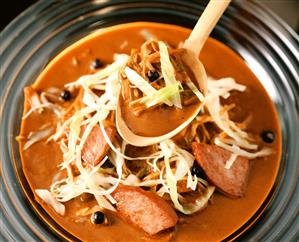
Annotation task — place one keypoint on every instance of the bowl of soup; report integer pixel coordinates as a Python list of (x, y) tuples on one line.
[(135, 199)]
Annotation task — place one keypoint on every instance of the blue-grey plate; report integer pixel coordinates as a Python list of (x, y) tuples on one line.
[(265, 42)]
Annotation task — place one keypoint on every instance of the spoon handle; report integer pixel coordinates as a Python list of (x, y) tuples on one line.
[(205, 25)]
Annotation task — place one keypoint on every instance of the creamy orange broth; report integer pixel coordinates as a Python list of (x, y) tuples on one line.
[(224, 215)]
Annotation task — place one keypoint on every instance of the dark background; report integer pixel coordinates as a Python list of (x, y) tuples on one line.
[(12, 8), (286, 9)]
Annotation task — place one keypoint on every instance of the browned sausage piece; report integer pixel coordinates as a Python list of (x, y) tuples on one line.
[(95, 146), (144, 209), (212, 159)]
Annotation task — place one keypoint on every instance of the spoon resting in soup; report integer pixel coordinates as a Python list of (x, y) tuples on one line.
[(206, 182), (177, 81)]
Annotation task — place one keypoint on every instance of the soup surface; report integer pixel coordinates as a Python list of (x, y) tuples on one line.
[(224, 215)]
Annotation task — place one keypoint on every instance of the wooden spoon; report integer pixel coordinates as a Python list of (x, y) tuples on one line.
[(205, 25), (193, 46)]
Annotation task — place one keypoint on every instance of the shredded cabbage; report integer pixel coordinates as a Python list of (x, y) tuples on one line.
[(37, 136), (220, 117), (160, 96), (139, 82), (168, 72), (113, 148), (195, 90), (237, 150), (230, 161), (100, 76), (47, 197), (90, 180), (55, 108), (168, 149)]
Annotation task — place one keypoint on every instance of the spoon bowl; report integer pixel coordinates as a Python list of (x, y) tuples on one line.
[(192, 46), (130, 137)]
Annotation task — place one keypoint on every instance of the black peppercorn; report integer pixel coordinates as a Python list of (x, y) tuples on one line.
[(152, 75), (197, 171), (268, 136), (97, 63), (98, 217), (66, 95)]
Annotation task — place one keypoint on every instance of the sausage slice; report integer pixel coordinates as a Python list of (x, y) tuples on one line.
[(144, 209), (96, 147), (212, 159)]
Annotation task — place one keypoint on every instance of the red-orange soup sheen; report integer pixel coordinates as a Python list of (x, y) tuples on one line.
[(224, 215)]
